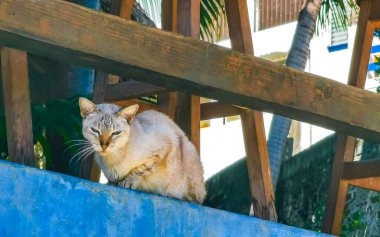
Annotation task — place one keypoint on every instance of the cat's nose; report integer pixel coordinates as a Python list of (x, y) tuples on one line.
[(104, 146)]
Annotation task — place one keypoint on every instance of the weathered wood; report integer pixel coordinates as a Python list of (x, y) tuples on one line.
[(238, 26), (212, 110), (361, 169), (184, 18), (363, 43), (130, 89), (372, 183), (188, 106), (17, 106), (175, 62), (126, 9), (143, 106), (100, 87), (258, 166), (345, 146), (332, 220), (252, 122)]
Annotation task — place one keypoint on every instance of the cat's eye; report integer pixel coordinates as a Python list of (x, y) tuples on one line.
[(116, 133), (95, 130)]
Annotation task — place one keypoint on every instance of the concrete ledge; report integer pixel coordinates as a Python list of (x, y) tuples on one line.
[(41, 203)]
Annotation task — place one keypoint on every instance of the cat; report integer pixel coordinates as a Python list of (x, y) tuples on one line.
[(146, 152)]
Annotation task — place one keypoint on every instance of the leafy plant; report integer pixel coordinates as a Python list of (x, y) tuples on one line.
[(61, 117), (334, 11)]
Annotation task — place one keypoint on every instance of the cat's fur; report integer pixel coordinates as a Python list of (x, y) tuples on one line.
[(150, 154)]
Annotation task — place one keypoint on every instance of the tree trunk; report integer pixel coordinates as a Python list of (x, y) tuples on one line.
[(297, 58)]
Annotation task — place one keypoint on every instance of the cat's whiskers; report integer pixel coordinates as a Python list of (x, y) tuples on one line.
[(75, 140), (86, 155), (75, 145), (83, 150)]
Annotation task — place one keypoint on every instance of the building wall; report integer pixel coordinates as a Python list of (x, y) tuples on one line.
[(277, 12)]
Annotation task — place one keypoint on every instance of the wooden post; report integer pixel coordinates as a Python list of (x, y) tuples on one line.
[(183, 17), (126, 9), (345, 145), (17, 106), (252, 121)]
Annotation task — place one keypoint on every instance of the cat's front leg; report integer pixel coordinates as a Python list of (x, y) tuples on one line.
[(134, 177)]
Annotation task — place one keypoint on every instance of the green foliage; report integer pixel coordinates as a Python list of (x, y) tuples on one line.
[(59, 116), (335, 10), (356, 223), (212, 14)]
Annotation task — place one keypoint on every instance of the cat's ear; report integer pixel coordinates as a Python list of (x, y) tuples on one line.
[(86, 107), (128, 112)]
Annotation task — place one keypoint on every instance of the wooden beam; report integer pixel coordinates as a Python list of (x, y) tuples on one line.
[(187, 114), (212, 110), (252, 121), (363, 43), (18, 115), (361, 169), (372, 183), (345, 145), (143, 106), (183, 17), (332, 220), (130, 90), (175, 62), (126, 9), (258, 166), (100, 87)]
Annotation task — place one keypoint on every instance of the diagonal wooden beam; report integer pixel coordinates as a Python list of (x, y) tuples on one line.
[(252, 121), (72, 33), (345, 145)]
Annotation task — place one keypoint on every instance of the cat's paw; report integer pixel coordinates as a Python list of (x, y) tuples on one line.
[(128, 182)]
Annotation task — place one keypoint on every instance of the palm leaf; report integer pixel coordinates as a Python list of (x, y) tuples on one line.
[(334, 12)]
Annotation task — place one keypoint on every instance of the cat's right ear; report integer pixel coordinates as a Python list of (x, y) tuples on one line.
[(128, 112), (86, 107)]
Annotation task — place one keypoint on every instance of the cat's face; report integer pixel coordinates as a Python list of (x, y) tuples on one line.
[(106, 126)]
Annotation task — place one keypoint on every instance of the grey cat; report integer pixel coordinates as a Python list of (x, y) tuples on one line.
[(147, 152)]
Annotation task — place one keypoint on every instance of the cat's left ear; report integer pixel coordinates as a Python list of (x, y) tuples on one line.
[(129, 112), (86, 107)]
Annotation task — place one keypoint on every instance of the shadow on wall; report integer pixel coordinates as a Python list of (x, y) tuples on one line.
[(301, 193)]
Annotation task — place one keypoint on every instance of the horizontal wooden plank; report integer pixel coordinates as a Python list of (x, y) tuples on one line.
[(214, 110), (130, 90), (361, 169), (72, 33), (368, 183)]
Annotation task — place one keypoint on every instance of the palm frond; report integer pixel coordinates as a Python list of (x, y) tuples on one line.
[(334, 12)]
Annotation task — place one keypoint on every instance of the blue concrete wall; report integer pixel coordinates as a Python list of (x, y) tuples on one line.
[(42, 203)]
